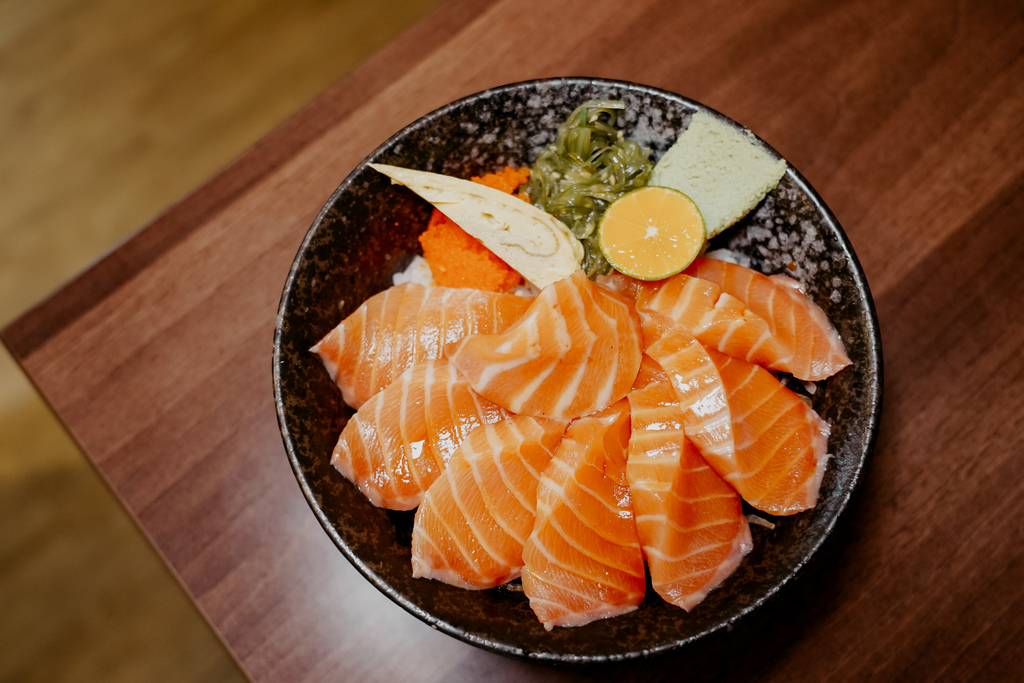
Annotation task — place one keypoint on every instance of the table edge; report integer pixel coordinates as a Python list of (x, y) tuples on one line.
[(27, 333)]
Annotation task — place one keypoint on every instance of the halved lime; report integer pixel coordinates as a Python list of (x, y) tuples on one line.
[(652, 233)]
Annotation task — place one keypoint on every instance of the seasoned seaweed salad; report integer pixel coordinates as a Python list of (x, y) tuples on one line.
[(589, 165)]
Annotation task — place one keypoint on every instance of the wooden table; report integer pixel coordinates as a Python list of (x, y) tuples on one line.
[(909, 120)]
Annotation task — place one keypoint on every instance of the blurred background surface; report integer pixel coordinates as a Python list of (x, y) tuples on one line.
[(110, 111)]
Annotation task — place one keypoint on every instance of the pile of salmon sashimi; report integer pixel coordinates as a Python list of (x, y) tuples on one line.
[(574, 437)]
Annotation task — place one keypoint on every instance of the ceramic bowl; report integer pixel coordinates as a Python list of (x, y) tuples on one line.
[(367, 231)]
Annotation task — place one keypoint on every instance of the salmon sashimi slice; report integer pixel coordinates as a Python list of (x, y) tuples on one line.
[(793, 319), (698, 387), (470, 529), (689, 520), (398, 443), (583, 560), (755, 433), (403, 325), (575, 351), (716, 319), (780, 441)]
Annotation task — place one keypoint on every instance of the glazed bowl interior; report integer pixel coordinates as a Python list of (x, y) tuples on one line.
[(368, 230)]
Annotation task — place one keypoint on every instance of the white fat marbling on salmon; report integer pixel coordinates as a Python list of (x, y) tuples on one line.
[(793, 319), (469, 529), (689, 520), (403, 325), (715, 318), (780, 441), (697, 386), (573, 353), (583, 561), (400, 441), (571, 385)]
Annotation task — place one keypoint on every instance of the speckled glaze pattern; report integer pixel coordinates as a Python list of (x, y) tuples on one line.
[(367, 231)]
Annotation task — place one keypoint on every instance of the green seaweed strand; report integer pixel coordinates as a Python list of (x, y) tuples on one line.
[(588, 166)]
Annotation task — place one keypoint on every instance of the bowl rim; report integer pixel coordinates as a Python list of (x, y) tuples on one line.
[(871, 425)]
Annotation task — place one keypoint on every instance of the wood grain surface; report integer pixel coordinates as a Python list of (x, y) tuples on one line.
[(909, 121), (101, 130)]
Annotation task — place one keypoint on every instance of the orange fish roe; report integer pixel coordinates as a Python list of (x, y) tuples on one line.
[(508, 180), (457, 259)]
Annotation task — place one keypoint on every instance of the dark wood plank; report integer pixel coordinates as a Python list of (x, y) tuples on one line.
[(908, 119)]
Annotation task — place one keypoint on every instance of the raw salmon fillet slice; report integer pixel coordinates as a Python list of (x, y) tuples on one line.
[(403, 325), (575, 351), (755, 433), (716, 319), (583, 561), (470, 529), (699, 389), (793, 319), (690, 522), (780, 441), (398, 443)]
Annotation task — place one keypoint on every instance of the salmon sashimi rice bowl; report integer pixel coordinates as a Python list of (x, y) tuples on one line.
[(567, 408)]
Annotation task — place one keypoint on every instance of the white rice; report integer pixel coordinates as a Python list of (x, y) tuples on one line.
[(729, 256), (417, 272), (526, 289)]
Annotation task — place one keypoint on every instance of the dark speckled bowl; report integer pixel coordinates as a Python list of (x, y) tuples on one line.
[(367, 231)]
